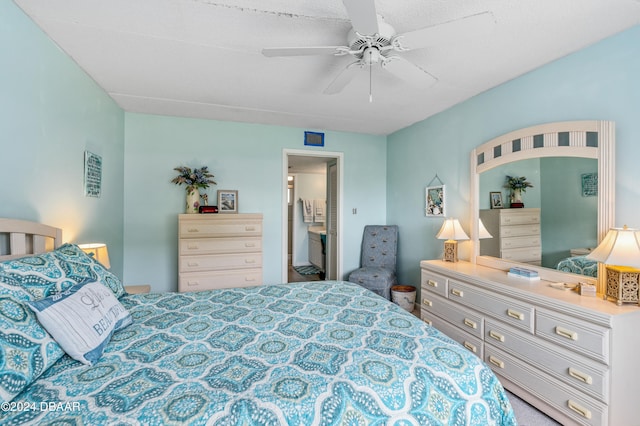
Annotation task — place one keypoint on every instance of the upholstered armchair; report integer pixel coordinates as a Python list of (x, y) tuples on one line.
[(377, 259)]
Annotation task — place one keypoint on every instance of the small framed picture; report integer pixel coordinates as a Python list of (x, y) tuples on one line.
[(496, 200), (435, 205), (227, 201)]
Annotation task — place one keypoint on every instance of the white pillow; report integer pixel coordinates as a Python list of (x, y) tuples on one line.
[(82, 319)]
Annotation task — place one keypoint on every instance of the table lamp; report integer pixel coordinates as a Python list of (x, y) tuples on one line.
[(482, 231), (452, 232), (98, 251), (620, 252)]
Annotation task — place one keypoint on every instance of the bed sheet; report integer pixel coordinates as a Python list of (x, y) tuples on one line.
[(299, 354)]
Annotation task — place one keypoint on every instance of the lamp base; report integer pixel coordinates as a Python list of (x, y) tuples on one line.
[(450, 251), (623, 284)]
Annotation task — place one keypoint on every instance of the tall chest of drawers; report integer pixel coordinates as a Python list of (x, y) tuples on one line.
[(219, 251), (573, 357), (516, 234)]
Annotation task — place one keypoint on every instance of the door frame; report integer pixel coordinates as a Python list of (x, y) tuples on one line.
[(339, 157)]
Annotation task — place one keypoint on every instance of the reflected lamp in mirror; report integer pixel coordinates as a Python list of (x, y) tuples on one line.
[(482, 231), (452, 232), (98, 251), (620, 252)]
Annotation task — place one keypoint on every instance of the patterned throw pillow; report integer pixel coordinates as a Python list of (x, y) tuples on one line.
[(50, 273), (82, 319), (26, 349)]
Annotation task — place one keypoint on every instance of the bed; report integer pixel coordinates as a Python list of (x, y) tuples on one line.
[(579, 265), (326, 352)]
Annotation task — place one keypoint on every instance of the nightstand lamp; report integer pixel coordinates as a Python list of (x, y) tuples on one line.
[(452, 232), (620, 252), (98, 251), (482, 231)]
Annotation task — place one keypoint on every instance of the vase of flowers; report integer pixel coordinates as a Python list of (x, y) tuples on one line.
[(194, 180), (518, 185)]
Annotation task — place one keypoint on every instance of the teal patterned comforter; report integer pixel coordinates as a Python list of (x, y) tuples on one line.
[(320, 353)]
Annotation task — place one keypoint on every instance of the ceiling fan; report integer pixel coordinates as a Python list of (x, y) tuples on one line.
[(373, 41)]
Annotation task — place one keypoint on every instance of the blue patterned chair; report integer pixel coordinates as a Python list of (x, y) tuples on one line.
[(377, 259)]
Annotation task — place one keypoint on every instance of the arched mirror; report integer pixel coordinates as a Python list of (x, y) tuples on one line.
[(570, 205)]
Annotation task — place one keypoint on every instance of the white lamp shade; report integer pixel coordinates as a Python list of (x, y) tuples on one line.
[(482, 231), (620, 247), (98, 251), (451, 230)]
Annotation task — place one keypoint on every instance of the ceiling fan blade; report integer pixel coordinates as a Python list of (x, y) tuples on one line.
[(343, 78), (303, 51), (458, 30), (362, 13), (409, 72)]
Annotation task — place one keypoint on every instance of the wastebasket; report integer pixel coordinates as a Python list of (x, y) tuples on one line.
[(404, 296)]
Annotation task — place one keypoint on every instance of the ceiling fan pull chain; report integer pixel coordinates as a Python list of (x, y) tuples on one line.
[(370, 79)]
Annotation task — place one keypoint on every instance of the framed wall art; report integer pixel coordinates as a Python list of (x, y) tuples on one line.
[(496, 200), (435, 201), (227, 201), (92, 175)]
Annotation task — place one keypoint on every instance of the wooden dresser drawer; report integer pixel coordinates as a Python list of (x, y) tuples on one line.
[(220, 245), (471, 343), (530, 241), (579, 407), (527, 254), (519, 231), (212, 280), (221, 228), (588, 339), (584, 374), (520, 217), (470, 321), (432, 282), (516, 313), (220, 261)]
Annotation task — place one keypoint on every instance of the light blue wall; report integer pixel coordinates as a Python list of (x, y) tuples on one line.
[(246, 157), (599, 82), (493, 180), (50, 113)]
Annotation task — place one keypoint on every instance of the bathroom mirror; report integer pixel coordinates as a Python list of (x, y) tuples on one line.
[(548, 144)]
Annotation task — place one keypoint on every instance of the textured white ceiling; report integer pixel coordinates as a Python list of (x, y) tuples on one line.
[(202, 58)]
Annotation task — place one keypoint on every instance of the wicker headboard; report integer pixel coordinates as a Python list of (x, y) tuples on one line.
[(20, 238)]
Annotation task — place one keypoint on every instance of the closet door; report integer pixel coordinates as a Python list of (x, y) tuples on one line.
[(332, 222)]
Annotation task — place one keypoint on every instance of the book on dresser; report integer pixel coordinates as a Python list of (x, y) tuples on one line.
[(219, 251), (515, 232), (573, 357)]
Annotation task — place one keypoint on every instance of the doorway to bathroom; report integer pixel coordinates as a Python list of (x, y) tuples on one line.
[(312, 238)]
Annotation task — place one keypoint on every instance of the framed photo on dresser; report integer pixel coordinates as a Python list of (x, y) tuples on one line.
[(227, 201)]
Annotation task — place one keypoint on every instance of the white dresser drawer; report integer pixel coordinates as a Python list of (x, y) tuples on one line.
[(527, 254), (226, 228), (220, 261), (588, 339), (575, 405), (471, 343), (463, 318), (432, 282), (584, 374), (220, 245), (212, 280), (530, 241), (519, 231), (520, 217), (516, 313)]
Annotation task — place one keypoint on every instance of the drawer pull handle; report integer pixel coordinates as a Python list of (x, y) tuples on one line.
[(561, 331), (515, 314), (429, 322), (249, 261), (192, 230), (470, 324), (471, 347), (495, 361), (249, 279), (579, 409), (497, 336), (249, 244), (432, 283), (192, 246), (192, 283), (580, 376), (249, 228), (427, 302), (457, 292), (192, 263)]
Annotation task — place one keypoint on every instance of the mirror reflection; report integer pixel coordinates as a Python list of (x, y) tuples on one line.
[(558, 222)]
